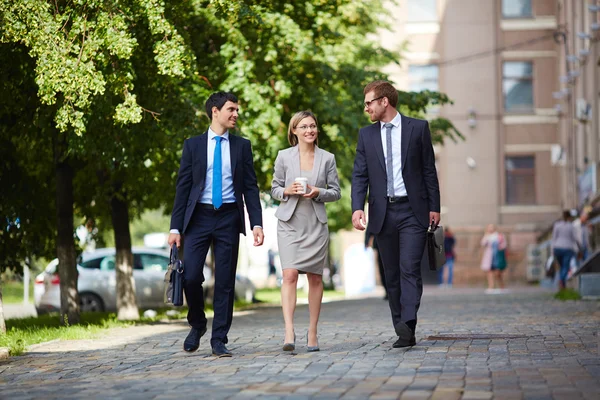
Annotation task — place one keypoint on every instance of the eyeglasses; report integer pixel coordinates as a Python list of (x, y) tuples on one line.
[(368, 103), (305, 127)]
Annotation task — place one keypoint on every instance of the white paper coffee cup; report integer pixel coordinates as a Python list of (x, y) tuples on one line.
[(303, 181)]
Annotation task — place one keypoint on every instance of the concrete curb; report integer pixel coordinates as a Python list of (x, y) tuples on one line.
[(38, 345)]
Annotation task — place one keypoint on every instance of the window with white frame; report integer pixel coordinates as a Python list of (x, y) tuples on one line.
[(422, 10), (517, 86), (516, 9), (423, 77)]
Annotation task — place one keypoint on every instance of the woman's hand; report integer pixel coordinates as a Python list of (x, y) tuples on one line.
[(312, 192), (294, 189)]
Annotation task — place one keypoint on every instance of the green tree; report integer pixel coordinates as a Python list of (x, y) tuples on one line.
[(81, 49)]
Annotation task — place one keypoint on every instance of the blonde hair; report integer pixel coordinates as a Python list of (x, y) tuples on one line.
[(296, 118)]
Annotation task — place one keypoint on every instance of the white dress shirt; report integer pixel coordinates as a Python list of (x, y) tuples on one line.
[(399, 188)]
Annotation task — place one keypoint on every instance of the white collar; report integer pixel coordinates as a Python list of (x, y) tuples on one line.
[(212, 134), (396, 121)]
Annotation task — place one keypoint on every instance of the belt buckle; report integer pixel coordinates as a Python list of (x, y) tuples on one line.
[(391, 199)]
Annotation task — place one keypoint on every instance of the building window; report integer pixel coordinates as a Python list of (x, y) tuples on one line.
[(423, 77), (422, 10), (520, 179), (516, 9), (517, 85)]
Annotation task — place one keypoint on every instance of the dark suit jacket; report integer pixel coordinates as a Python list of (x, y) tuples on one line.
[(192, 174), (418, 171)]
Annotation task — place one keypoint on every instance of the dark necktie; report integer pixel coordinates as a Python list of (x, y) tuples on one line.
[(390, 159)]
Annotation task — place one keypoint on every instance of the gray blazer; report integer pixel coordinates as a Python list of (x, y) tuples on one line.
[(324, 177)]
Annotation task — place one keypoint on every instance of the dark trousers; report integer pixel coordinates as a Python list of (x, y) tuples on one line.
[(401, 244), (380, 267), (222, 229)]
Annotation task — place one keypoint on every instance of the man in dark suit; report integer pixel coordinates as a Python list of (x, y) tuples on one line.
[(395, 163), (216, 170)]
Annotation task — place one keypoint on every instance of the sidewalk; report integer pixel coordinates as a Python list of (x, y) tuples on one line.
[(517, 345)]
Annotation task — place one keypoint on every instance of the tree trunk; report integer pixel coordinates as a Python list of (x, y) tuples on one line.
[(126, 305), (2, 322), (65, 245)]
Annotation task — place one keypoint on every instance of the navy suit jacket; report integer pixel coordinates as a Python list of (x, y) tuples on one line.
[(192, 175), (418, 172)]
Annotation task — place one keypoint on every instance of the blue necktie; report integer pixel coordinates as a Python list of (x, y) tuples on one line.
[(217, 186)]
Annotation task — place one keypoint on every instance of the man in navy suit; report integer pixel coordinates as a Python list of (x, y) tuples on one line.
[(395, 163), (216, 170)]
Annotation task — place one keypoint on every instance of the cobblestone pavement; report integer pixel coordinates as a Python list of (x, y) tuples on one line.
[(519, 345)]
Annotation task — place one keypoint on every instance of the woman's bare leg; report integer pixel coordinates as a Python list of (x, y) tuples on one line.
[(315, 296), (288, 301)]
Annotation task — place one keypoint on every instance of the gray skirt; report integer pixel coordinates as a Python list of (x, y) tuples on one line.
[(303, 240)]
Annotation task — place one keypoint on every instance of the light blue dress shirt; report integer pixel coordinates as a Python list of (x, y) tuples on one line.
[(399, 188), (228, 193)]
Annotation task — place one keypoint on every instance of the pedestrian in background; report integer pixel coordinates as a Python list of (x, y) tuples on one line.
[(494, 258), (564, 241), (302, 232), (449, 242)]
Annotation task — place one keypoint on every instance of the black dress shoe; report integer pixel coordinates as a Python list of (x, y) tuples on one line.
[(403, 331), (404, 343), (192, 341), (219, 350), (406, 336)]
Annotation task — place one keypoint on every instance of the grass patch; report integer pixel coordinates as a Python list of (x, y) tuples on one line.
[(567, 294), (24, 332), (273, 296), (12, 292)]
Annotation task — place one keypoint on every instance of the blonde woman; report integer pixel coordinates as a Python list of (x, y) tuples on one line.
[(493, 260), (302, 232)]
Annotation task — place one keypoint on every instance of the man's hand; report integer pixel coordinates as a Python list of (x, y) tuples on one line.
[(435, 217), (312, 192), (359, 221), (174, 238), (259, 236)]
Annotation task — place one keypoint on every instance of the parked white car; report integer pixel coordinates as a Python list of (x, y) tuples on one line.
[(97, 281)]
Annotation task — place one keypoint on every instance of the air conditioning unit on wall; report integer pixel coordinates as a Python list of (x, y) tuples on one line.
[(583, 110)]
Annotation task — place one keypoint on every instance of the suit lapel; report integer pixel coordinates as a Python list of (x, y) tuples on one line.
[(295, 162), (316, 166), (233, 152), (375, 138), (203, 154), (406, 133)]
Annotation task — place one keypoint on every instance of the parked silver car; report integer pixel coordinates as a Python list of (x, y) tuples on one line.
[(97, 281)]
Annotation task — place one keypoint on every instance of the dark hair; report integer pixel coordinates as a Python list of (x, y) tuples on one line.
[(218, 100), (295, 120), (566, 215), (383, 89)]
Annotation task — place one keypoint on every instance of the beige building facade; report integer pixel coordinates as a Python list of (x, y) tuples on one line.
[(501, 62)]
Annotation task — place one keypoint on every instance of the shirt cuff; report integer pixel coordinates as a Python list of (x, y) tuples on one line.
[(175, 231), (257, 226)]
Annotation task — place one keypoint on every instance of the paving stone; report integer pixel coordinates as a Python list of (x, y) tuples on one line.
[(525, 345)]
